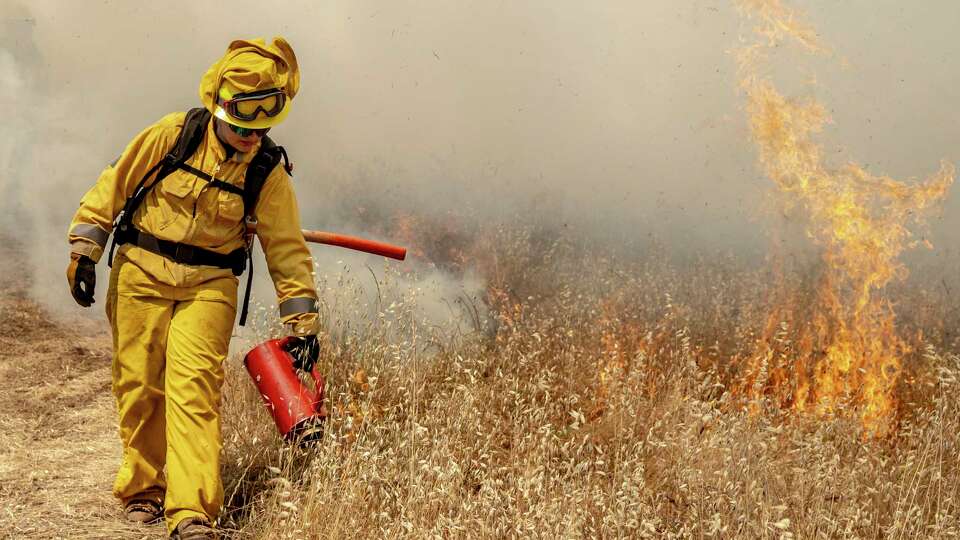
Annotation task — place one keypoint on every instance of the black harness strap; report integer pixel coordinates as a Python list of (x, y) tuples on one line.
[(219, 184), (189, 139), (187, 142), (185, 253), (257, 172)]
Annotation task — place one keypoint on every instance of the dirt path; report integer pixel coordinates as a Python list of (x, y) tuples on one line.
[(58, 439)]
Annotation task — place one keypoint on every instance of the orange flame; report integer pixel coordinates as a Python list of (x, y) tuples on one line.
[(850, 353)]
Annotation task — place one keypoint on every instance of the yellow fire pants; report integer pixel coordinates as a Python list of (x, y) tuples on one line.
[(169, 344)]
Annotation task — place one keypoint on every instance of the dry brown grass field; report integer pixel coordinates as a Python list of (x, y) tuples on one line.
[(598, 406), (590, 395), (597, 387)]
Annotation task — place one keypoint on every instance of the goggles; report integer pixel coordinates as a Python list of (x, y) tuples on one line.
[(246, 132), (247, 107)]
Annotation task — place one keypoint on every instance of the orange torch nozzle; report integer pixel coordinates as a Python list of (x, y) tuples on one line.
[(352, 242)]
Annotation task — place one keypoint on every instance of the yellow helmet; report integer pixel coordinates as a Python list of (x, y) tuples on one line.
[(253, 84)]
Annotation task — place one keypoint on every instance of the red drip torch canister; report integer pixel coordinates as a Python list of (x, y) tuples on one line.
[(294, 407)]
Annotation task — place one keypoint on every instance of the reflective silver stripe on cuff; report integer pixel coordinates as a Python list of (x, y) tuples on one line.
[(91, 232), (298, 305)]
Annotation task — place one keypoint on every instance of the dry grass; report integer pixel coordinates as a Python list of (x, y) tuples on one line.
[(58, 441), (592, 403)]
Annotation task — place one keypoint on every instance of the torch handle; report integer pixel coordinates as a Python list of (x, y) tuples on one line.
[(352, 242)]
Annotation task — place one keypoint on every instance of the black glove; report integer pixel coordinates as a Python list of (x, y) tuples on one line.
[(82, 277), (305, 351)]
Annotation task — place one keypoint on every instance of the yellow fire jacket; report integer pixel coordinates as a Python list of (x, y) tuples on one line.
[(184, 208)]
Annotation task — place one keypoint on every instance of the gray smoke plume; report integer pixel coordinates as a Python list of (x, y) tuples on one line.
[(620, 119)]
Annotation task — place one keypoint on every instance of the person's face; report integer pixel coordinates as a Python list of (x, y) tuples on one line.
[(240, 144)]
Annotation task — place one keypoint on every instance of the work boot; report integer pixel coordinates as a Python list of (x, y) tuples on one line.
[(144, 511), (193, 528)]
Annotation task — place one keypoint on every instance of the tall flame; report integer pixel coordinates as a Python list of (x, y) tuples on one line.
[(849, 353)]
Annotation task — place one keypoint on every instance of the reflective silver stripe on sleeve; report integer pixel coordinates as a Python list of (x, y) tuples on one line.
[(298, 305), (91, 232)]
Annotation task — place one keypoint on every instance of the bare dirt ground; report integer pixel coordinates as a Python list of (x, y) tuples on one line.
[(58, 438)]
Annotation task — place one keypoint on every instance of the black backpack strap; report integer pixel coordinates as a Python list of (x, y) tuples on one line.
[(267, 158), (187, 142), (194, 128), (189, 139), (259, 169), (213, 182)]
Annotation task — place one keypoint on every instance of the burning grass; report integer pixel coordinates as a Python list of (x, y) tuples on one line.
[(596, 400), (847, 351), (607, 396)]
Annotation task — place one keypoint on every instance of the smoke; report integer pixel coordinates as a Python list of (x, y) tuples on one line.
[(619, 119)]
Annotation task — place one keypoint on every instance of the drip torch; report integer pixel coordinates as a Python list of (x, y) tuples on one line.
[(298, 410)]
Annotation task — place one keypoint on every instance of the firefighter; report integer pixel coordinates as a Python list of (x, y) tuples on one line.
[(172, 296)]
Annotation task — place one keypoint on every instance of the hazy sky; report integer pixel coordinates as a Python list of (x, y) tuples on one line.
[(622, 112)]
